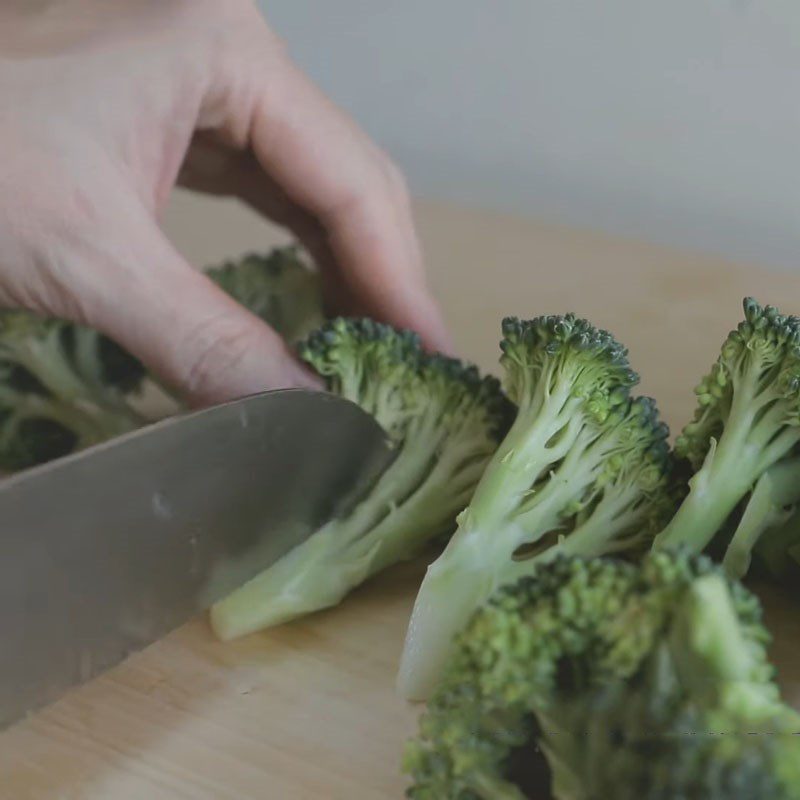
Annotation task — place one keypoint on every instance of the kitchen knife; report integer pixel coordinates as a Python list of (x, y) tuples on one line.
[(105, 551)]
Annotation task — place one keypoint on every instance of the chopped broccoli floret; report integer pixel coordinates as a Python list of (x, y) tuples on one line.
[(279, 287), (445, 421), (62, 387), (583, 470), (744, 439), (636, 682)]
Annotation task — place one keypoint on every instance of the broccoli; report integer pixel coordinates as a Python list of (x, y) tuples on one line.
[(778, 550), (444, 420), (637, 682), (584, 470), (743, 440), (278, 287), (767, 527), (62, 387)]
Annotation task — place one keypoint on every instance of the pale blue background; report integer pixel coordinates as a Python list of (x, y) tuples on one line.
[(676, 121)]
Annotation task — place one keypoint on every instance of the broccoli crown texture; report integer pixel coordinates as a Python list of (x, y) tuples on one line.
[(546, 349), (584, 470), (760, 357), (633, 681), (444, 420), (747, 423), (279, 287)]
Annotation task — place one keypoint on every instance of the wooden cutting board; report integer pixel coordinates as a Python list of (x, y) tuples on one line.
[(308, 711)]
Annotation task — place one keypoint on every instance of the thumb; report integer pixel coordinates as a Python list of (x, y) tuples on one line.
[(184, 328)]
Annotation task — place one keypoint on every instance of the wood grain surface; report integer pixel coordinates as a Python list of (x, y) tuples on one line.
[(308, 711)]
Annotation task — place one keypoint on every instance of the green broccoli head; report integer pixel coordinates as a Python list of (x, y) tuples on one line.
[(556, 354), (746, 423), (279, 287), (370, 364), (606, 667), (760, 361), (584, 470), (444, 419)]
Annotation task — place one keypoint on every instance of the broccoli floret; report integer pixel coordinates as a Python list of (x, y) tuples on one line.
[(583, 470), (444, 420), (279, 287), (62, 387), (744, 438), (635, 682)]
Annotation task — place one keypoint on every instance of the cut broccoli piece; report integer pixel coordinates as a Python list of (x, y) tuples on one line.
[(279, 287), (62, 387), (445, 421), (584, 470), (636, 682), (743, 439)]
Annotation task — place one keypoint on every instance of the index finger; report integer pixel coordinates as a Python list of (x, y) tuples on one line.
[(329, 167)]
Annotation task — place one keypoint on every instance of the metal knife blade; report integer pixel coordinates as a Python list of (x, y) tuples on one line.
[(103, 552)]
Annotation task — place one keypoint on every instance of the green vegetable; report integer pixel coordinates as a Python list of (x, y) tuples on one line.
[(645, 682), (62, 387), (279, 287), (445, 421), (584, 471), (743, 441), (778, 549)]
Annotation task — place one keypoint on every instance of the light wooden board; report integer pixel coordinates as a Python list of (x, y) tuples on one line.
[(308, 711)]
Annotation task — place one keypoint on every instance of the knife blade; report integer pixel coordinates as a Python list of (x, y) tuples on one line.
[(106, 551)]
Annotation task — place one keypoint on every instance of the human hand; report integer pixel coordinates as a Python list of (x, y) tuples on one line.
[(105, 106)]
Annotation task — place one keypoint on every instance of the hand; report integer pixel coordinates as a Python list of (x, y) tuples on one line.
[(105, 106)]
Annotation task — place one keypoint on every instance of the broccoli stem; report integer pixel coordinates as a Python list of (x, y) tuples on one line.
[(453, 587), (526, 452), (770, 505), (109, 415), (320, 571), (754, 438), (312, 576)]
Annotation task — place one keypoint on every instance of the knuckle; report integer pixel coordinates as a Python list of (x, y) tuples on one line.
[(215, 349)]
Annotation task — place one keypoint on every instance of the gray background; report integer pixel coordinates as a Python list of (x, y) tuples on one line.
[(675, 121)]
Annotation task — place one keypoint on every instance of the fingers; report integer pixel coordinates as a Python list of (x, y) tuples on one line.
[(329, 167), (133, 286), (198, 339), (357, 201)]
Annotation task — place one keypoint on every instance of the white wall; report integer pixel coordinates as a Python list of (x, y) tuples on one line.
[(676, 121)]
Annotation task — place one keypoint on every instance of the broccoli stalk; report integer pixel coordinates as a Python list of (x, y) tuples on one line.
[(445, 421), (771, 504), (635, 682), (747, 422), (583, 470)]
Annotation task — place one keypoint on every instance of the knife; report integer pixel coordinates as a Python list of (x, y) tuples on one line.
[(105, 551)]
